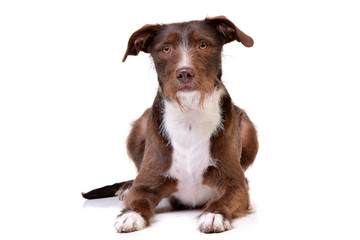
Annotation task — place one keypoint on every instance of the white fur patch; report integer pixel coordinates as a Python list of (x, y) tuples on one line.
[(185, 59), (212, 222), (129, 222), (189, 130)]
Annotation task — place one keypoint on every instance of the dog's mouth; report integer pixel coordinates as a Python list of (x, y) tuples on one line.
[(186, 88)]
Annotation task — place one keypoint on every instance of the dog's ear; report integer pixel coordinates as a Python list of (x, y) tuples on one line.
[(229, 31), (140, 40)]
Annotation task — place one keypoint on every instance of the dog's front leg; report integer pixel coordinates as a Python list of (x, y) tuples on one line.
[(232, 201), (141, 201)]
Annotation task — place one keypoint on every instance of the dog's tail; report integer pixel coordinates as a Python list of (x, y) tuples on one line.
[(108, 191)]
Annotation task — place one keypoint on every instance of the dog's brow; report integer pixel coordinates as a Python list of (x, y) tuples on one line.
[(173, 38), (195, 38)]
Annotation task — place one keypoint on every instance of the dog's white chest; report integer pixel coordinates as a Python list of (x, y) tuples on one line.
[(189, 130)]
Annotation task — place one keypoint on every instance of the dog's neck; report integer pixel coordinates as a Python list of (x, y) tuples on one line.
[(192, 113), (191, 100)]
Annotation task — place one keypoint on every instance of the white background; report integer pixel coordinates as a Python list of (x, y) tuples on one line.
[(67, 101)]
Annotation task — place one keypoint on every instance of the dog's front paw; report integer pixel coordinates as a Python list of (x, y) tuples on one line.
[(213, 223), (129, 222)]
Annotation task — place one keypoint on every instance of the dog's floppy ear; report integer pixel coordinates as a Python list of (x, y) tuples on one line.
[(140, 40), (229, 31)]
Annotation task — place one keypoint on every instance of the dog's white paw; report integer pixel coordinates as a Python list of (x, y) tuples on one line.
[(213, 223), (129, 222)]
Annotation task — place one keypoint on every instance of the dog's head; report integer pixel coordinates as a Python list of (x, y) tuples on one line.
[(187, 56)]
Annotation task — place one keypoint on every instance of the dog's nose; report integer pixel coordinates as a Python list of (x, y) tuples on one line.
[(185, 74)]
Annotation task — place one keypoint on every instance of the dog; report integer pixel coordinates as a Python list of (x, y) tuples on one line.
[(193, 145)]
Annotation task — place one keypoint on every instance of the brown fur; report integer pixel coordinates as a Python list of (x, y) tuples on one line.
[(136, 139), (235, 146)]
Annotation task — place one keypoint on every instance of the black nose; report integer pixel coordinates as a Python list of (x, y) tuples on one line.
[(185, 74)]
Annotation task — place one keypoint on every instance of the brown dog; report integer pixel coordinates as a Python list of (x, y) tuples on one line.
[(193, 145)]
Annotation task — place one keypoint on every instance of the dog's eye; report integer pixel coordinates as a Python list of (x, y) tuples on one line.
[(166, 49), (203, 45)]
